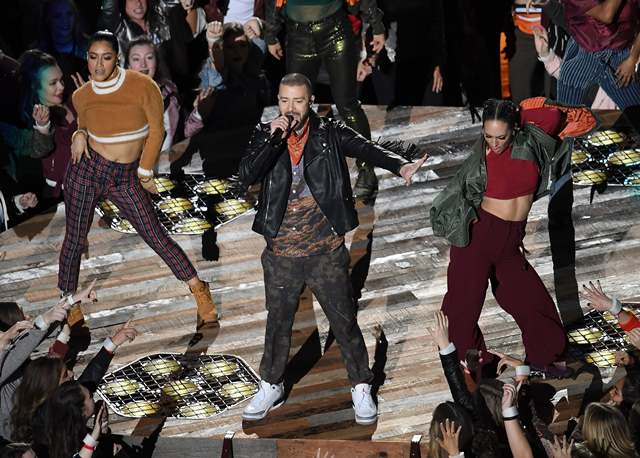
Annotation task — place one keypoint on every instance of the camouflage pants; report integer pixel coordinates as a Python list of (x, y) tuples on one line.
[(327, 275)]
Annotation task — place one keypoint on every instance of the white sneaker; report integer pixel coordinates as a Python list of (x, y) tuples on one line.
[(366, 410), (268, 397)]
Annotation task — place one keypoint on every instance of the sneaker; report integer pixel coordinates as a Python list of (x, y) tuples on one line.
[(268, 397), (366, 410)]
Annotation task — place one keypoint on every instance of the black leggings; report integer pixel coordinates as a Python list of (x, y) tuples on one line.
[(329, 41)]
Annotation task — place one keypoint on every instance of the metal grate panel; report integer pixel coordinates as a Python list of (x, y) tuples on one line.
[(598, 338), (188, 207), (178, 386), (608, 156)]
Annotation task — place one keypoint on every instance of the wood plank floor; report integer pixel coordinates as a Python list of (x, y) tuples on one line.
[(405, 282)]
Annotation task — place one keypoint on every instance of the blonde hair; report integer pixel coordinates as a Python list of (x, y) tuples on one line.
[(606, 432)]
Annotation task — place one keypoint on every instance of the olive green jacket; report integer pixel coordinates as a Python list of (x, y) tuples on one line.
[(456, 206)]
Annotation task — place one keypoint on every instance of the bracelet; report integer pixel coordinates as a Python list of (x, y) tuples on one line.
[(616, 308), (523, 371), (510, 412), (144, 179), (145, 172), (515, 417), (71, 300), (90, 441), (88, 447), (79, 131)]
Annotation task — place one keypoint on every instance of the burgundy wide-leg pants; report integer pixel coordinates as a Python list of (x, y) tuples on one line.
[(494, 254)]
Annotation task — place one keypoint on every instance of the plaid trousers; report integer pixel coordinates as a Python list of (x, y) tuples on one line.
[(93, 179)]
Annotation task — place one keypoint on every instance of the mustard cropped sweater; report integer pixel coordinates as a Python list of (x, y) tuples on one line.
[(125, 108)]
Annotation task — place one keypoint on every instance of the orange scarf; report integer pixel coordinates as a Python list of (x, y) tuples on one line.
[(281, 3), (296, 144)]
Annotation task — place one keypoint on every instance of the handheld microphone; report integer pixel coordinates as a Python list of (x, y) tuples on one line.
[(276, 138)]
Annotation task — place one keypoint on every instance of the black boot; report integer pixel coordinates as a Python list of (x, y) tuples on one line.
[(366, 187)]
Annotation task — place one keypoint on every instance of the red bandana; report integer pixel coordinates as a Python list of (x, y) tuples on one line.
[(296, 144)]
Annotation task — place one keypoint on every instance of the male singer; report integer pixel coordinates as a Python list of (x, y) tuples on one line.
[(306, 207)]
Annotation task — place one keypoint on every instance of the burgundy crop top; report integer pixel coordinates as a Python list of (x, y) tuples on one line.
[(508, 178)]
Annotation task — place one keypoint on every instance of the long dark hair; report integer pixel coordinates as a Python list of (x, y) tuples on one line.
[(31, 64), (65, 424), (40, 379), (10, 314), (501, 110)]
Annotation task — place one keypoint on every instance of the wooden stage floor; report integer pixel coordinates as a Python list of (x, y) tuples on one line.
[(405, 283)]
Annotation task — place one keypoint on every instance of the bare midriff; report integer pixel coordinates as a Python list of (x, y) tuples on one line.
[(516, 209), (122, 153)]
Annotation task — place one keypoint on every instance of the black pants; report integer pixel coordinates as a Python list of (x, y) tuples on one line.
[(526, 72), (329, 41), (327, 276)]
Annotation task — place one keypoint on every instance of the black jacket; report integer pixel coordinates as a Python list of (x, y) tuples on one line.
[(325, 171)]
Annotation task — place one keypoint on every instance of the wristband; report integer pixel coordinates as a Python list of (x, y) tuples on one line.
[(70, 300), (63, 337), (523, 371), (89, 442), (510, 412), (448, 349), (88, 447), (43, 129), (616, 308), (145, 172), (83, 131), (144, 179), (109, 345), (40, 323)]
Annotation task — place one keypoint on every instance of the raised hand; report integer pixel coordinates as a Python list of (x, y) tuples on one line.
[(77, 79), (506, 361), (41, 115), (13, 331), (252, 28), (438, 81), (450, 437), (560, 448), (596, 296), (28, 200), (408, 170), (56, 313), (509, 395), (440, 331), (541, 40), (378, 42), (276, 51), (88, 294), (214, 31), (127, 333)]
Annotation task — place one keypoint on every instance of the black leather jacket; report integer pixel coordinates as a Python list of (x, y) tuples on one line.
[(325, 171)]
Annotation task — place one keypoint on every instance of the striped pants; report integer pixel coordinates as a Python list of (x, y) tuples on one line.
[(96, 178), (580, 69)]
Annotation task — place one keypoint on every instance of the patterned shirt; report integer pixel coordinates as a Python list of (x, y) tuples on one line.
[(304, 230)]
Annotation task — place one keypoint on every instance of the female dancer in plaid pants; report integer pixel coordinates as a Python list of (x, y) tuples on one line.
[(114, 152)]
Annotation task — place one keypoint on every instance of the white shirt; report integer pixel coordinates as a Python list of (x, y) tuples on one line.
[(239, 11)]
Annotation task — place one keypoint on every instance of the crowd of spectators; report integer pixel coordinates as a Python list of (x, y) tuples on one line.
[(44, 410), (210, 60), (512, 415)]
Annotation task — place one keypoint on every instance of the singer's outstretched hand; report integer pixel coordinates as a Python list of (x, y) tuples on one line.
[(283, 123)]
